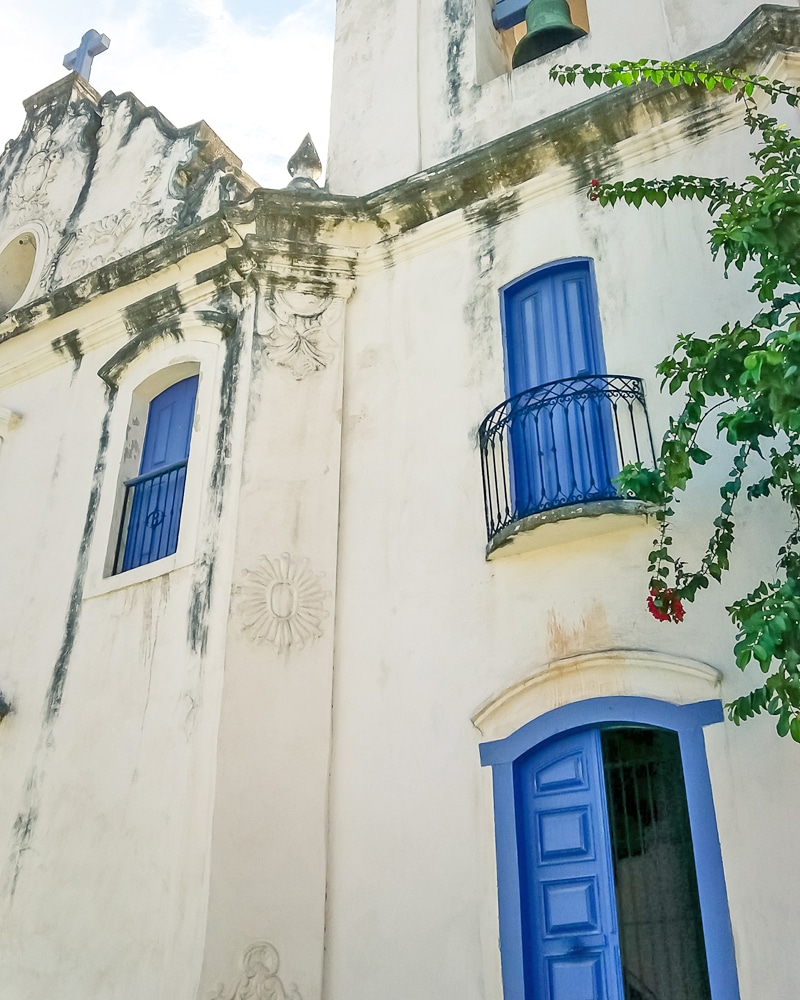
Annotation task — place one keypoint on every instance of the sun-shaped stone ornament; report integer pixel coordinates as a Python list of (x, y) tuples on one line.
[(282, 602)]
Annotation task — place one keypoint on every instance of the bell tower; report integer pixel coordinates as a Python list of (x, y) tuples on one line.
[(418, 82)]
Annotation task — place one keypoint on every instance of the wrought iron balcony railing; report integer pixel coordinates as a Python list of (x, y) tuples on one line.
[(561, 444), (151, 516)]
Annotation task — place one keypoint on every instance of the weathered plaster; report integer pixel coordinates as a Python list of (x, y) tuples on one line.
[(25, 822), (231, 763), (203, 574), (103, 178)]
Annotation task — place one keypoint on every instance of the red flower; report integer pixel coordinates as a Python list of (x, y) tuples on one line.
[(655, 611), (594, 184), (665, 605)]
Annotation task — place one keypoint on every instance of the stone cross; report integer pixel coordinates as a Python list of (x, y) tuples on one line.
[(80, 59)]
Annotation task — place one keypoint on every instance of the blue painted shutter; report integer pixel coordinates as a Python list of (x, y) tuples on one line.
[(157, 492), (569, 909), (562, 440)]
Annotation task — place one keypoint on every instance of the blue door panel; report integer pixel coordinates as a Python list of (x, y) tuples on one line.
[(560, 454), (565, 772), (571, 941), (582, 353), (565, 833), (571, 907), (157, 492), (579, 978)]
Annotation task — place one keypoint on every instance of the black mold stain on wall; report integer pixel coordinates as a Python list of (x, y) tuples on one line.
[(22, 833), (56, 689), (482, 309), (25, 823), (457, 20), (202, 582), (156, 309), (70, 344), (158, 315), (88, 142)]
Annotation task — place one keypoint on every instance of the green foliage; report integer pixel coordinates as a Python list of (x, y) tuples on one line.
[(746, 378)]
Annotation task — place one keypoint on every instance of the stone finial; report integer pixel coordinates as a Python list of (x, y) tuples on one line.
[(305, 166), (80, 60)]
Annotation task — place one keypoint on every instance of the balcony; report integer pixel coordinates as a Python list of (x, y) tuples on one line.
[(550, 455)]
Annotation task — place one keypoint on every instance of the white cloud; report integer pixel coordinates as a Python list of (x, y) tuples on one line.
[(260, 88)]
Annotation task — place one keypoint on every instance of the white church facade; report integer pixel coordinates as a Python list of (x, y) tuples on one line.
[(326, 671)]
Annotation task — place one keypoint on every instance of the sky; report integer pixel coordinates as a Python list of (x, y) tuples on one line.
[(258, 71)]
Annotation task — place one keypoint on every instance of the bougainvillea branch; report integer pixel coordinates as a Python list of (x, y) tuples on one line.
[(744, 378)]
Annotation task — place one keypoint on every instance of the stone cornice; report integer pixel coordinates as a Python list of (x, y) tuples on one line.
[(135, 267), (581, 137), (314, 239), (579, 140)]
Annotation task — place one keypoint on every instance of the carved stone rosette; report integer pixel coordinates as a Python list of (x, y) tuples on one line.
[(299, 330), (259, 980), (282, 602)]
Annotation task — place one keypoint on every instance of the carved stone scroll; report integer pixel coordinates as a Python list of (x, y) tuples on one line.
[(298, 329)]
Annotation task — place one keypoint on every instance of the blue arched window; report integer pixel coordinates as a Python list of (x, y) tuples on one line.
[(610, 876), (153, 499)]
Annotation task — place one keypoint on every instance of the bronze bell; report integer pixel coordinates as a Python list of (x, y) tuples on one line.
[(549, 26)]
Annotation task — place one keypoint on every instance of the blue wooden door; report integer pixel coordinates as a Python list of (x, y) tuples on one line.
[(156, 494), (562, 440), (569, 908)]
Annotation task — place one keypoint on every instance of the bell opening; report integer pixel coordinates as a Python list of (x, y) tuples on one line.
[(547, 40), (549, 25)]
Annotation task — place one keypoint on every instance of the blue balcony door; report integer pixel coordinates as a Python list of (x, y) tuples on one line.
[(571, 938), (155, 496), (562, 440)]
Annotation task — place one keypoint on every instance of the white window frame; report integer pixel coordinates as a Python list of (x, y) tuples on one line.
[(163, 364)]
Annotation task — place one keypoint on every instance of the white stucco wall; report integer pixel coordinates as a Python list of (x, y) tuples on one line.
[(115, 782), (427, 631), (455, 95), (270, 739)]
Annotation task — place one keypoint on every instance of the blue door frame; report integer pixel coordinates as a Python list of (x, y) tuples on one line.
[(504, 757)]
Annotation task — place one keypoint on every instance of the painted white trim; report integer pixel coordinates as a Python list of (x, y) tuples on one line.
[(41, 235), (201, 346), (614, 672)]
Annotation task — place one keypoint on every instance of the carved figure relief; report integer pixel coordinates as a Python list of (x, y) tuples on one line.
[(282, 602), (259, 980), (297, 328)]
